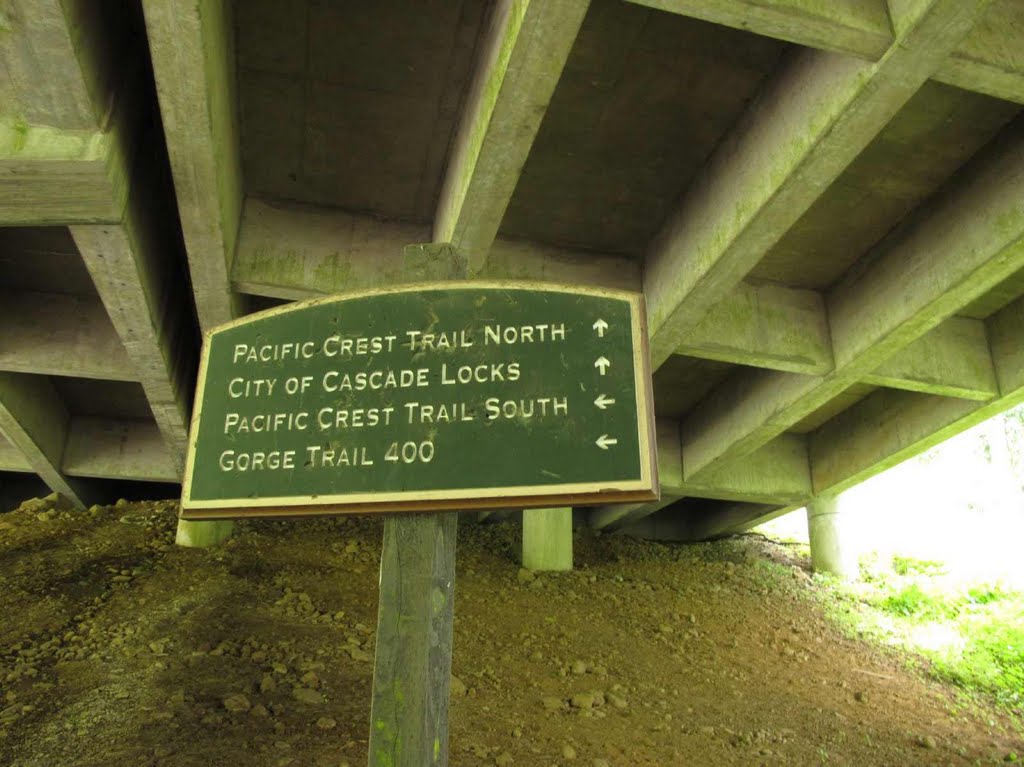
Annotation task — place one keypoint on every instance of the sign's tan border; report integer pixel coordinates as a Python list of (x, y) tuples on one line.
[(646, 488)]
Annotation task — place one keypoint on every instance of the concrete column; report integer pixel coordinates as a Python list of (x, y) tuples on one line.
[(201, 535), (547, 539), (831, 549)]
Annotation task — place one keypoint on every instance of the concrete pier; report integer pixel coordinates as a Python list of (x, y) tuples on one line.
[(201, 535), (831, 549), (547, 539)]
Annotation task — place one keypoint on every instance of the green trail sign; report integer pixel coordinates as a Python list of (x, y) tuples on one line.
[(461, 395)]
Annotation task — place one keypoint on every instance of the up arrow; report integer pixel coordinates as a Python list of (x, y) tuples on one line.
[(603, 364), (603, 402), (600, 326), (604, 441)]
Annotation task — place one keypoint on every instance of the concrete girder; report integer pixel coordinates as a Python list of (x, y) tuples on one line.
[(988, 61), (705, 521), (525, 48), (132, 267), (295, 252), (952, 359), (73, 122), (952, 250), (192, 48), (57, 334), (806, 125), (104, 448), (67, 107), (36, 41), (617, 516), (767, 326), (983, 62), (118, 449), (299, 251), (50, 176), (857, 27), (891, 426), (777, 475), (780, 328)]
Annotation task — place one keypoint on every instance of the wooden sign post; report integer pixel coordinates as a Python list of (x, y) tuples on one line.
[(453, 396), (413, 661)]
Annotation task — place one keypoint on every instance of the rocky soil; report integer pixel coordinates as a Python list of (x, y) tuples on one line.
[(118, 648)]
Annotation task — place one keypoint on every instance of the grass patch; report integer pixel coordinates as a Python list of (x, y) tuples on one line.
[(991, 659), (911, 566), (970, 634), (914, 602)]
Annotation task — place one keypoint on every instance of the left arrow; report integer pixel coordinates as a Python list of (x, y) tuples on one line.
[(603, 401), (604, 441)]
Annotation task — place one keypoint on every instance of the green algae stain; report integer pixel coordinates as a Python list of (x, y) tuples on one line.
[(438, 600), (20, 129)]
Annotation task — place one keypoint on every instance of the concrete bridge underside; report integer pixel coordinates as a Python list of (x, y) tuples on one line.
[(824, 209)]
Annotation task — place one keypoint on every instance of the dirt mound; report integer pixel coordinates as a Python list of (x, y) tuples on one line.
[(118, 648)]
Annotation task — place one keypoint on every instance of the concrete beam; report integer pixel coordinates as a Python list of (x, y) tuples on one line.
[(952, 360), (50, 176), (808, 123), (891, 426), (117, 449), (534, 262), (985, 62), (702, 522), (989, 59), (525, 48), (34, 421), (857, 27), (134, 268), (42, 83), (299, 251), (720, 520), (777, 475), (952, 250), (617, 516), (67, 106), (56, 334), (670, 473), (192, 48), (779, 328), (766, 326), (885, 429)]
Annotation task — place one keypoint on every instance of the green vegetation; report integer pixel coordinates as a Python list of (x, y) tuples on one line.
[(992, 660), (914, 602), (970, 633)]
